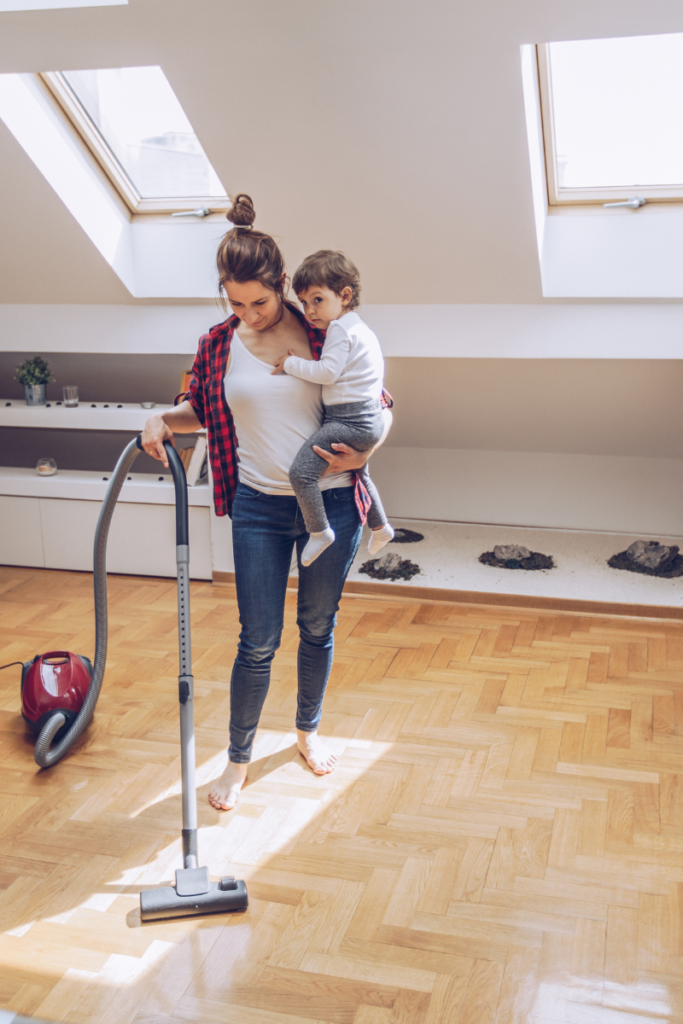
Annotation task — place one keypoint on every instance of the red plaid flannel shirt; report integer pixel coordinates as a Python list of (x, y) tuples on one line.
[(207, 398)]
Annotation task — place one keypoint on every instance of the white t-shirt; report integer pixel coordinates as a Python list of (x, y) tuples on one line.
[(274, 414), (351, 367)]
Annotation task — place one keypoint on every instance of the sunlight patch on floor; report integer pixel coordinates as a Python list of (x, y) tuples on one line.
[(647, 1002)]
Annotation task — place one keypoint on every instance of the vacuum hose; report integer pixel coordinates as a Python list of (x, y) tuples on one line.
[(45, 756)]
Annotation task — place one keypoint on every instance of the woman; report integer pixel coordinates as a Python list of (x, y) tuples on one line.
[(235, 395)]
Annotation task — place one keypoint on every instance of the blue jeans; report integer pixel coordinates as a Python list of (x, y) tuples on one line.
[(265, 528)]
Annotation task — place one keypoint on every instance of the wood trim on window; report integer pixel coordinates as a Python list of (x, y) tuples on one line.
[(110, 166), (558, 196)]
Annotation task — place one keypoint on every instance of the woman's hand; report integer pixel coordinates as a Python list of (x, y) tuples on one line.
[(343, 459), (153, 436)]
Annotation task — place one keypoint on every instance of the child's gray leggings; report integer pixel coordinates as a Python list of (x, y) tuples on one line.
[(358, 424)]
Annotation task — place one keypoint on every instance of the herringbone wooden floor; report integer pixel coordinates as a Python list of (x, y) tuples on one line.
[(502, 842)]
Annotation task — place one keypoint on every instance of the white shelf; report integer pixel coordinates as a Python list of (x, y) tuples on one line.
[(86, 416), (142, 488), (608, 330)]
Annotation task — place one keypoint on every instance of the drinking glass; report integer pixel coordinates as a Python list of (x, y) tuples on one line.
[(70, 395)]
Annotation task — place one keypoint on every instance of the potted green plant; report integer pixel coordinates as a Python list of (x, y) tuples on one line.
[(34, 374)]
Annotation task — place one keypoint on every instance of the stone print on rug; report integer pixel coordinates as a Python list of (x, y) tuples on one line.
[(405, 536), (516, 556), (390, 566), (651, 558)]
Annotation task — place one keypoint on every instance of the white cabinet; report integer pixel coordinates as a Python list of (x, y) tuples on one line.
[(21, 537), (49, 522), (141, 538), (59, 532)]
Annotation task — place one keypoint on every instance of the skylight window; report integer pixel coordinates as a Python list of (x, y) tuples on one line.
[(611, 118), (134, 125)]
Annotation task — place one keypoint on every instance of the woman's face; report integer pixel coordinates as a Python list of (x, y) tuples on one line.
[(254, 304)]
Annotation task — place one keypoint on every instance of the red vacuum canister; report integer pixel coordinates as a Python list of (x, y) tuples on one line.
[(56, 681)]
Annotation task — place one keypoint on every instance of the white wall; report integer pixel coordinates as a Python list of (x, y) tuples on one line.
[(616, 494), (612, 494), (622, 254), (419, 167), (574, 406)]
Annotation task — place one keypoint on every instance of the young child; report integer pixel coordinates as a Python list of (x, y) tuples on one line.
[(351, 371)]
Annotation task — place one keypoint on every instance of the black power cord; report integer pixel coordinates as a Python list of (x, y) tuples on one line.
[(10, 663)]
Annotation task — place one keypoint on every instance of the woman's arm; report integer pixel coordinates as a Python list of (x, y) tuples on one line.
[(162, 426), (347, 459)]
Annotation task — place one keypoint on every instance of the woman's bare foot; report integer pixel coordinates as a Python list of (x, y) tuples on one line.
[(317, 756), (225, 791)]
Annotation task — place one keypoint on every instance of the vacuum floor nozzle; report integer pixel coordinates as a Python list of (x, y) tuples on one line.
[(157, 904)]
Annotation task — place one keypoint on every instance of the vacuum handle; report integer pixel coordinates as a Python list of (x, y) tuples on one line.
[(182, 529)]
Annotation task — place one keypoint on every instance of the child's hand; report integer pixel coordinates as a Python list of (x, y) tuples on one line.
[(279, 365)]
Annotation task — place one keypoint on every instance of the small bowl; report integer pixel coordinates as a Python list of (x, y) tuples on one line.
[(46, 467), (148, 405)]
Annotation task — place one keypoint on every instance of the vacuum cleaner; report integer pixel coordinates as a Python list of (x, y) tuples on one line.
[(60, 690), (55, 683)]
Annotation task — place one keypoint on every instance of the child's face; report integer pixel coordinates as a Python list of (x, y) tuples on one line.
[(321, 305)]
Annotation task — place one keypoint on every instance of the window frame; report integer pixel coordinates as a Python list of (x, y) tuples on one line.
[(97, 146), (558, 197)]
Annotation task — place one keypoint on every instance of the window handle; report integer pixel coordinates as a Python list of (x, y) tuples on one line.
[(201, 211), (631, 204)]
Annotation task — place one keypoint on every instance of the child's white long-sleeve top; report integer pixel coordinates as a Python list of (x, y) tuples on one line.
[(351, 367)]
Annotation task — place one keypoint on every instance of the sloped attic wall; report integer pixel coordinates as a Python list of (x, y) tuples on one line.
[(393, 130)]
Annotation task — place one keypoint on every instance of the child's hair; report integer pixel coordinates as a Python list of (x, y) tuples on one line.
[(248, 255), (329, 269)]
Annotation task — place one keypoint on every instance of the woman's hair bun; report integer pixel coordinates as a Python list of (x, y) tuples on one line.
[(242, 213)]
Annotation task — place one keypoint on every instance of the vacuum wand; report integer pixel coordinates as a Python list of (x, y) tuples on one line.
[(185, 677), (193, 893)]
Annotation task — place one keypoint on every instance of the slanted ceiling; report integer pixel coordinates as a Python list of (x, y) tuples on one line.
[(393, 129)]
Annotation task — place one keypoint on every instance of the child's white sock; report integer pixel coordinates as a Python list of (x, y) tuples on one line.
[(378, 538), (317, 542)]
